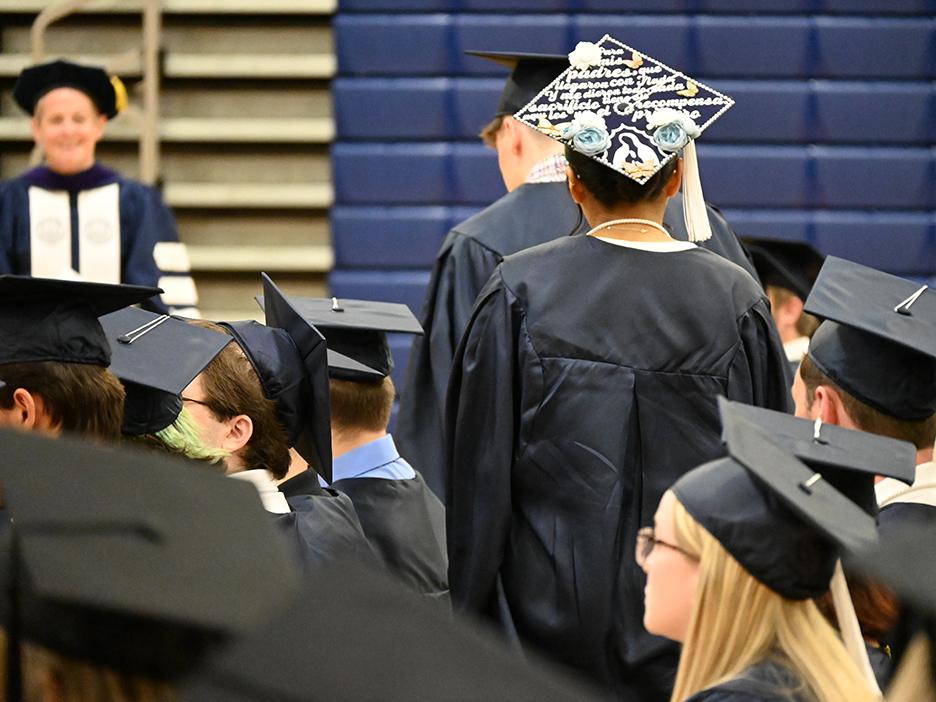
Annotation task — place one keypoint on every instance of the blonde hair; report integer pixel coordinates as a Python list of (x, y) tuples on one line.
[(182, 439), (913, 681), (737, 621)]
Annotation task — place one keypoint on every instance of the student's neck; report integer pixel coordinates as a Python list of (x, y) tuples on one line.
[(646, 211), (924, 455), (346, 440)]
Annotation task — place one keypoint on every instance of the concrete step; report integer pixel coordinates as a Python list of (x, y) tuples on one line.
[(287, 228), (291, 259), (188, 7), (204, 130), (230, 296), (211, 66), (302, 196)]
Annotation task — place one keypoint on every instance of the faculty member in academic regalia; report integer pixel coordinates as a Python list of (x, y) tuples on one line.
[(536, 209), (738, 550), (401, 517), (586, 382), (75, 218)]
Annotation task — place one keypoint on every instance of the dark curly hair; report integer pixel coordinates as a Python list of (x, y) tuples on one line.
[(611, 188)]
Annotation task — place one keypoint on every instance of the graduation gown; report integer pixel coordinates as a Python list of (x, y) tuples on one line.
[(530, 215), (97, 223), (767, 681), (405, 524), (584, 386), (323, 526)]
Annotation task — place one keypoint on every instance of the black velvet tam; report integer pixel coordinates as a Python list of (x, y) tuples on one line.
[(36, 81), (878, 340)]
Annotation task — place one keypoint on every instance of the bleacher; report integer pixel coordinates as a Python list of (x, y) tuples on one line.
[(831, 140), (245, 126)]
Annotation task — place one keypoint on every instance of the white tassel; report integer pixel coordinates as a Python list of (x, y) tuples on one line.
[(849, 628), (694, 212)]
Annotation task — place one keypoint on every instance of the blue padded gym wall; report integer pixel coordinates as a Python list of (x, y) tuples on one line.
[(832, 139)]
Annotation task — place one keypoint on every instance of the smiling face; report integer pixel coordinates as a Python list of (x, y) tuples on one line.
[(671, 579), (68, 127)]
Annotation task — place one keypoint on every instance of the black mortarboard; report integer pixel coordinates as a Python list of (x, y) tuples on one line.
[(128, 560), (45, 319), (156, 357), (529, 73), (36, 81), (356, 635), (878, 340), (847, 458), (793, 265), (781, 521), (357, 329)]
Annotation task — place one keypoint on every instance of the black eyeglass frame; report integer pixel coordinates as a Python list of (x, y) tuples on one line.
[(647, 541)]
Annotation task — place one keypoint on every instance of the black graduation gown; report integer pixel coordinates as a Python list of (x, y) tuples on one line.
[(322, 527), (767, 681), (405, 524), (584, 386), (532, 214)]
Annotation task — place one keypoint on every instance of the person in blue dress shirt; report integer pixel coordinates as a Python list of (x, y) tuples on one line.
[(74, 218), (400, 515)]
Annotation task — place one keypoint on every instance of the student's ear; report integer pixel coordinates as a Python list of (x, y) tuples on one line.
[(25, 410), (831, 408), (576, 189), (675, 180), (239, 431)]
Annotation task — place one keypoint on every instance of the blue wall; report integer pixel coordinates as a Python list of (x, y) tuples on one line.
[(832, 139)]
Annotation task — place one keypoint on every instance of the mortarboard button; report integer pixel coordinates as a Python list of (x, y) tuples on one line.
[(878, 338), (156, 357), (57, 320)]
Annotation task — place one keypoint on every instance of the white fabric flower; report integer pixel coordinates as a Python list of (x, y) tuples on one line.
[(590, 119), (586, 54), (667, 115)]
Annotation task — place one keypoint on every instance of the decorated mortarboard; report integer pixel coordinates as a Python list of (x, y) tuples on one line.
[(127, 560), (793, 265), (156, 357), (414, 651), (632, 114), (878, 337), (782, 521), (847, 458), (529, 74), (357, 329), (107, 92), (45, 319)]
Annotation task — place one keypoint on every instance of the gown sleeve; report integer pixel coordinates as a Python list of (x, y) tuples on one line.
[(760, 374), (7, 227), (480, 438), (460, 272), (153, 254)]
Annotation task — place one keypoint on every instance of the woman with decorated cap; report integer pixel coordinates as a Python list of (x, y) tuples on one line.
[(72, 217), (739, 548), (586, 382)]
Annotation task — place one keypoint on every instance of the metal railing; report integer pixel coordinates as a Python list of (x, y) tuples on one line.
[(147, 117)]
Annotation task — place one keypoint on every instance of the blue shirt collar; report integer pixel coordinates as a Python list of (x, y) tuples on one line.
[(375, 459)]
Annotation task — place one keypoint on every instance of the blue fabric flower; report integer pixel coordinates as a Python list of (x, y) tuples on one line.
[(671, 137), (591, 141)]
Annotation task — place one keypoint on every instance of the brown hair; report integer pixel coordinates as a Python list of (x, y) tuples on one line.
[(364, 406), (806, 325), (80, 398), (232, 387), (920, 432), (78, 681), (489, 131)]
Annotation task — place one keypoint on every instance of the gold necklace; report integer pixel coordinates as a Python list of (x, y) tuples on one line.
[(612, 223)]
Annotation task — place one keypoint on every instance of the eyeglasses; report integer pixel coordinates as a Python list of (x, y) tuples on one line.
[(647, 541), (197, 402)]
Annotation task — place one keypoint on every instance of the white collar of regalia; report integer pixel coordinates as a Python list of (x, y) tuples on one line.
[(923, 491), (273, 500)]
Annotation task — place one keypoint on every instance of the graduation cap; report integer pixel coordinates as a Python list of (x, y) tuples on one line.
[(156, 357), (369, 639), (782, 521), (632, 114), (129, 560), (793, 265), (847, 458), (529, 73), (45, 319), (107, 93), (357, 329), (878, 340)]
